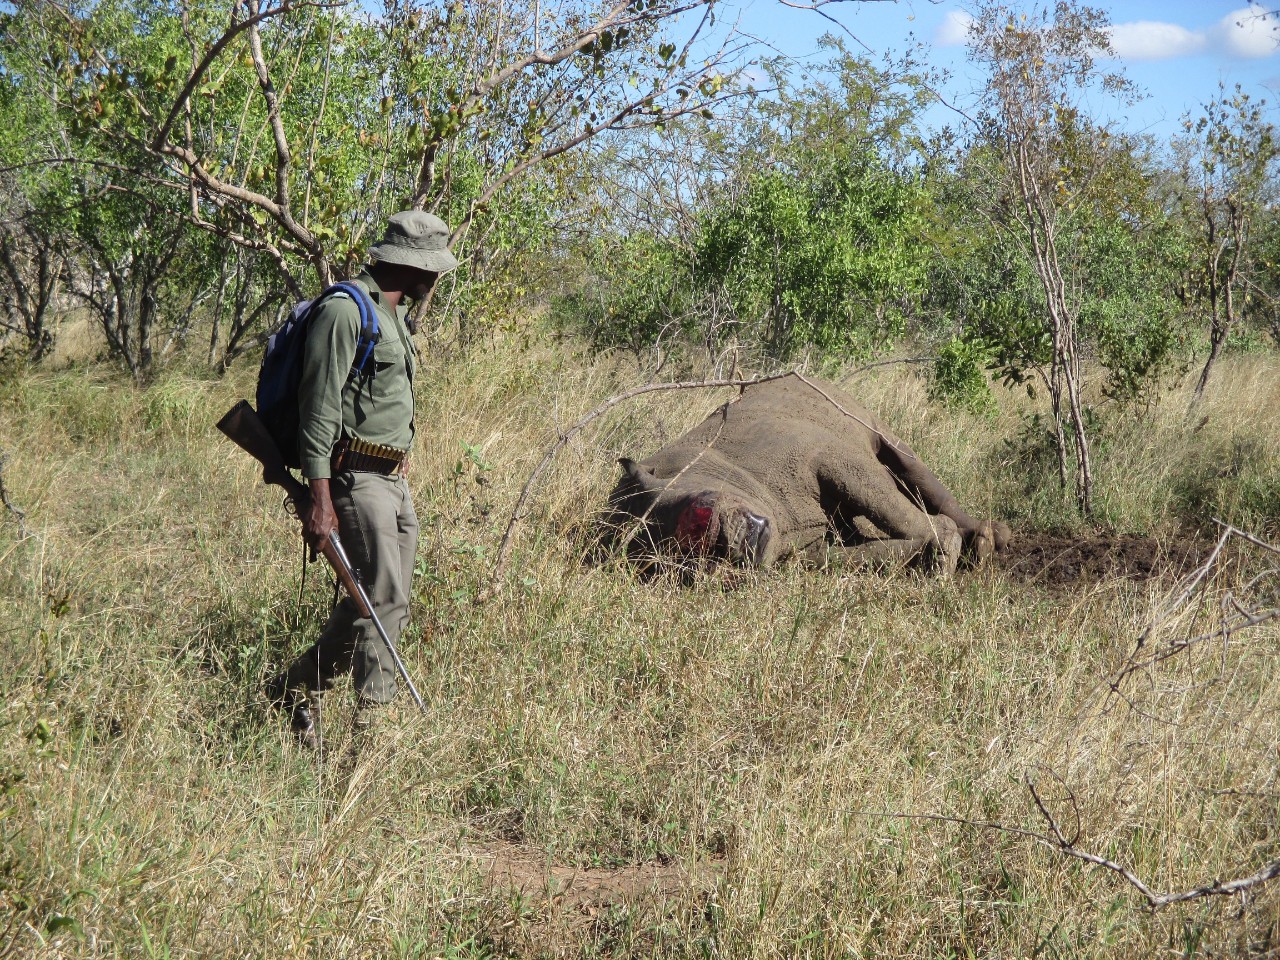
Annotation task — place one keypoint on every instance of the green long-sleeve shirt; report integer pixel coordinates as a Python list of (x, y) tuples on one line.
[(377, 405)]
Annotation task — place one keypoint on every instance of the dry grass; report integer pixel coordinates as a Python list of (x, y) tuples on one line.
[(770, 739)]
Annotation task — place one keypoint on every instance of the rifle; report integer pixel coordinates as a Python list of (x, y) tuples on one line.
[(241, 425)]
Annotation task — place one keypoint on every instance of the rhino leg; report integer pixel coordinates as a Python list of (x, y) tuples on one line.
[(928, 554), (859, 489), (981, 537)]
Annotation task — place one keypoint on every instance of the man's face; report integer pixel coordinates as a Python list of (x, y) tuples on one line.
[(420, 284)]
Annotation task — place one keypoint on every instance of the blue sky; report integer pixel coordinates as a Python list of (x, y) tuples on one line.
[(1177, 51)]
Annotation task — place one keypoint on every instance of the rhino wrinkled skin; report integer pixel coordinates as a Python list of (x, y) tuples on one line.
[(795, 467)]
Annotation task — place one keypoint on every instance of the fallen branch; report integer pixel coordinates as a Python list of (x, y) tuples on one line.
[(1055, 839), (1236, 615), (884, 363), (1218, 888)]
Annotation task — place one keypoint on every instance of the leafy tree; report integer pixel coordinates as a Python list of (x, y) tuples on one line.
[(959, 376), (135, 274), (827, 261), (32, 255), (799, 214), (1264, 281), (1047, 177), (294, 129), (247, 294), (32, 260), (1229, 174)]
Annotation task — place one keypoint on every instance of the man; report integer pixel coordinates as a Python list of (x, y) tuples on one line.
[(355, 432)]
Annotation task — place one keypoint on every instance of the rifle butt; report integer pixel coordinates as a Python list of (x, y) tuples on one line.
[(243, 427)]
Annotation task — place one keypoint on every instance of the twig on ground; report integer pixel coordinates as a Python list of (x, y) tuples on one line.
[(1057, 840), (1218, 888), (19, 516)]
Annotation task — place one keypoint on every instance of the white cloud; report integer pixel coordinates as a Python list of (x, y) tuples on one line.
[(954, 29), (1245, 33), (1240, 34), (1152, 40)]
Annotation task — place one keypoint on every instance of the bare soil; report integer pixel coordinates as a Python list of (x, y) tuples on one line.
[(1058, 561), (526, 871), (559, 904)]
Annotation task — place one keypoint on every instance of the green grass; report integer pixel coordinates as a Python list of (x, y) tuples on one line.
[(776, 735)]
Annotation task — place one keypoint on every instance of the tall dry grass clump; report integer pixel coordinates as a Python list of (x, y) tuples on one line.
[(807, 765)]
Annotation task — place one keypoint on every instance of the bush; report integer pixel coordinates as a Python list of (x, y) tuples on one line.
[(960, 379)]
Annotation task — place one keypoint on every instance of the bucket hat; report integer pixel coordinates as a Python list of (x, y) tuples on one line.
[(415, 239)]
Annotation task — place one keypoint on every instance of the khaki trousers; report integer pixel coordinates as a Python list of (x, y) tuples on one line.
[(379, 530)]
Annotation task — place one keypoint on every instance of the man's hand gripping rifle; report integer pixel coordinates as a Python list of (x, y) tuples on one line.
[(241, 424)]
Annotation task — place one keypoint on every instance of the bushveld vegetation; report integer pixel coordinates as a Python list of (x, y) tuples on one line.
[(769, 747), (724, 764)]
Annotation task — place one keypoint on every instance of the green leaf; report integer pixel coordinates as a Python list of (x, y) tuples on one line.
[(59, 924)]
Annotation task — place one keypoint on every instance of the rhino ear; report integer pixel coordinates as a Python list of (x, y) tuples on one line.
[(638, 473)]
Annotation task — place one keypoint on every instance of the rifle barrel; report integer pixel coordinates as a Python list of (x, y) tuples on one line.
[(337, 557)]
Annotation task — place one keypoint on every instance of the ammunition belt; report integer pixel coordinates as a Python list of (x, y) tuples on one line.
[(365, 457)]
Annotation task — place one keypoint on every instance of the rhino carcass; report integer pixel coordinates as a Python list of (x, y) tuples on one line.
[(794, 466)]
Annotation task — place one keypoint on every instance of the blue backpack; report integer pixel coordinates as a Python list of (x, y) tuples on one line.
[(281, 370)]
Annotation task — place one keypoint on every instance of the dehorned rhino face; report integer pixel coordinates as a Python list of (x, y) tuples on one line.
[(681, 516)]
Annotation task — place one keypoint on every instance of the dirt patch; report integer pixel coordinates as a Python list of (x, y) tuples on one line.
[(559, 906), (526, 872), (1058, 561)]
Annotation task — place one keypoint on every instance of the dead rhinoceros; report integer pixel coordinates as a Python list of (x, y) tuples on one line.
[(795, 467)]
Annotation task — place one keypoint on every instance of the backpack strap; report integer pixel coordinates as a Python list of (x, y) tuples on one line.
[(368, 324)]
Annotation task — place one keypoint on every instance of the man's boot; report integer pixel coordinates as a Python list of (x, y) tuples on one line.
[(293, 702), (370, 715)]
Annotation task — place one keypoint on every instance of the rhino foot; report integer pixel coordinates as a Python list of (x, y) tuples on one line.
[(942, 554), (989, 537)]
